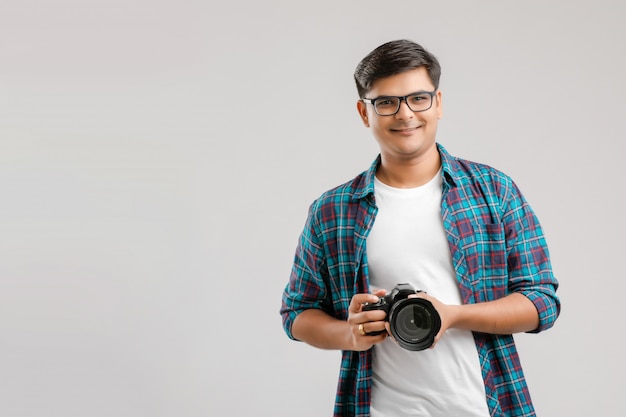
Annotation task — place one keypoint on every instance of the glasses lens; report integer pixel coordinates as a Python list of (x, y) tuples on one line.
[(419, 101), (386, 106)]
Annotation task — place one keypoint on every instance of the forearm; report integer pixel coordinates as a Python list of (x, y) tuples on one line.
[(318, 329), (512, 314)]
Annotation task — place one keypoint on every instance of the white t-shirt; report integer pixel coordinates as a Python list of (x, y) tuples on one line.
[(408, 244)]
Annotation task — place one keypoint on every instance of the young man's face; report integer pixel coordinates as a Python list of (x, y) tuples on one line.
[(406, 135)]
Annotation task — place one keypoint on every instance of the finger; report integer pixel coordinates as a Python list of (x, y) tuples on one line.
[(379, 292), (421, 294), (374, 328), (371, 329), (359, 299), (388, 328), (437, 338)]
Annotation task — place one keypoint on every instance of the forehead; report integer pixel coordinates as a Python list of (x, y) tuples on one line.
[(402, 84)]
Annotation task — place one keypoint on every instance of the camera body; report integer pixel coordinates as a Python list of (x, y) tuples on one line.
[(414, 322)]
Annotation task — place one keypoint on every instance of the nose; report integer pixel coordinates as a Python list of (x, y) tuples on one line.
[(404, 112)]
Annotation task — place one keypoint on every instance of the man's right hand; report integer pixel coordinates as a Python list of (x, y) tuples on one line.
[(364, 322), (318, 329)]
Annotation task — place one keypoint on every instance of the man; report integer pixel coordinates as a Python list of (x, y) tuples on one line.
[(459, 231)]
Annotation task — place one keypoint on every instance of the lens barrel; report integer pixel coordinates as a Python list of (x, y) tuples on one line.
[(414, 323)]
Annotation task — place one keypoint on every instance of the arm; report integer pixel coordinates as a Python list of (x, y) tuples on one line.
[(517, 293), (528, 261), (308, 309), (514, 313), (318, 329)]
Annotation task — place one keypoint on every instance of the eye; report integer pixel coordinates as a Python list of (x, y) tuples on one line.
[(416, 98), (387, 102)]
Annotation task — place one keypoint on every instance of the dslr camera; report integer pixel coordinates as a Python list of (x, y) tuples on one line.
[(413, 322)]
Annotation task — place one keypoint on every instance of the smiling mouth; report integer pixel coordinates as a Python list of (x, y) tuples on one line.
[(406, 129)]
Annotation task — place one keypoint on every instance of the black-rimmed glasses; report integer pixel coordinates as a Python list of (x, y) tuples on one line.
[(389, 105)]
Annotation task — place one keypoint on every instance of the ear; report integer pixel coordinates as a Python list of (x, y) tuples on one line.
[(439, 106), (362, 109)]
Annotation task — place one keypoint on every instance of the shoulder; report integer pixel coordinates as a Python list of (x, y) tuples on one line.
[(480, 186), (337, 198), (349, 193), (466, 173), (471, 171)]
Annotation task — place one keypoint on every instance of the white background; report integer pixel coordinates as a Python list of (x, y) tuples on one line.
[(157, 159)]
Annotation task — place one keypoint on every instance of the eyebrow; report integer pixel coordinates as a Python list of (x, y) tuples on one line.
[(406, 95)]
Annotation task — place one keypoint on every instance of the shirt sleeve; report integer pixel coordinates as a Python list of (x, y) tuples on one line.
[(530, 270), (306, 288)]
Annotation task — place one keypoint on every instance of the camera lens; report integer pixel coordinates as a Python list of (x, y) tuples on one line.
[(414, 323)]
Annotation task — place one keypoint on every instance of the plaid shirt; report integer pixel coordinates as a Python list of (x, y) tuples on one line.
[(497, 248)]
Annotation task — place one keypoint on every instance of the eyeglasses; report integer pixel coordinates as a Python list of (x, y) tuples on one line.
[(389, 105)]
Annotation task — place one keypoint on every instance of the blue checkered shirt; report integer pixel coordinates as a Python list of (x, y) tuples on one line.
[(497, 247)]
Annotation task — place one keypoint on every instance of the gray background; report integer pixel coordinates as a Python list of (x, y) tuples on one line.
[(157, 159)]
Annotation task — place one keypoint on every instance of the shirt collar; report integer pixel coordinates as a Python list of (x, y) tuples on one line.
[(449, 170)]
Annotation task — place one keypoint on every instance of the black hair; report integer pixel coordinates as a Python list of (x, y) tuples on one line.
[(393, 58)]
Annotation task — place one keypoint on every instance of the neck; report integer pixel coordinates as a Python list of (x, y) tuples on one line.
[(409, 173)]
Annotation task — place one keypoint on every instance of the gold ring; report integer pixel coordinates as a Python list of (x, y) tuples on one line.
[(362, 330)]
